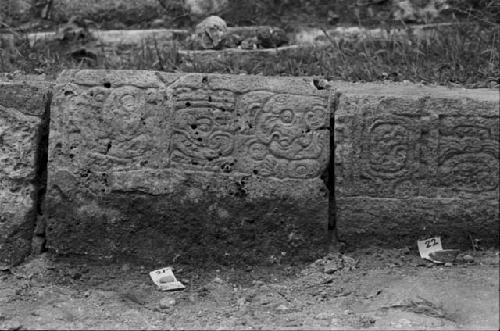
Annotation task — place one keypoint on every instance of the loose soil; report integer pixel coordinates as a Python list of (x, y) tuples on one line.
[(364, 289)]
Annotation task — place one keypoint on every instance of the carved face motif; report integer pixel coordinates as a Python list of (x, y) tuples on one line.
[(289, 125), (203, 133)]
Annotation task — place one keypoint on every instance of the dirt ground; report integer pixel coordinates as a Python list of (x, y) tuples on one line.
[(365, 289)]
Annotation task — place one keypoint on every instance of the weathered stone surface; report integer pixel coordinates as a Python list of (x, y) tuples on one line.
[(125, 11), (403, 152), (155, 166), (236, 55), (22, 108)]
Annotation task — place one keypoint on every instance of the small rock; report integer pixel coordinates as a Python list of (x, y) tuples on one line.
[(241, 301), (257, 282), (158, 23), (76, 275), (218, 280), (86, 294), (323, 316), (272, 37), (282, 308), (331, 267), (448, 264), (468, 258), (167, 303), (405, 251)]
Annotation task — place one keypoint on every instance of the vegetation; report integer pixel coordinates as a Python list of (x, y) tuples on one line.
[(466, 55)]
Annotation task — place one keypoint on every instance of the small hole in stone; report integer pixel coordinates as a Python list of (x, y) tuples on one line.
[(199, 139), (317, 84), (193, 126), (68, 93), (204, 80), (107, 85), (256, 172), (188, 104), (209, 99)]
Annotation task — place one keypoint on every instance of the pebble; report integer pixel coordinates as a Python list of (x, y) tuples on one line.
[(158, 23), (282, 307), (167, 303), (257, 282), (448, 264), (126, 267), (330, 269), (468, 258), (241, 301), (323, 316)]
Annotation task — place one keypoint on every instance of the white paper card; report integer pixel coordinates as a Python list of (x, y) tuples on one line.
[(165, 279), (427, 246)]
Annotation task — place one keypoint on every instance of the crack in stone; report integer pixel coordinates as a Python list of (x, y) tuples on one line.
[(41, 161)]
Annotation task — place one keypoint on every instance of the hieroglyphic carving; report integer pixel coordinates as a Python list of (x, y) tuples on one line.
[(468, 155), (283, 135), (388, 155), (203, 129), (125, 127)]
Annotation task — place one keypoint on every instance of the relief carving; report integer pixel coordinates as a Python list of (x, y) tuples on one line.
[(125, 127), (388, 156), (283, 135), (468, 155), (203, 129)]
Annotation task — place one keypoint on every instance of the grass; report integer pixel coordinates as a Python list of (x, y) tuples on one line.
[(465, 55)]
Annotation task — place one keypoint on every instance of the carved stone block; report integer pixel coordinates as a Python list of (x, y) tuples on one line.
[(154, 166), (22, 107), (408, 159), (468, 161), (283, 136)]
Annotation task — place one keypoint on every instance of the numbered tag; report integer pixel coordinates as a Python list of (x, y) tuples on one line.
[(427, 246), (165, 279)]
